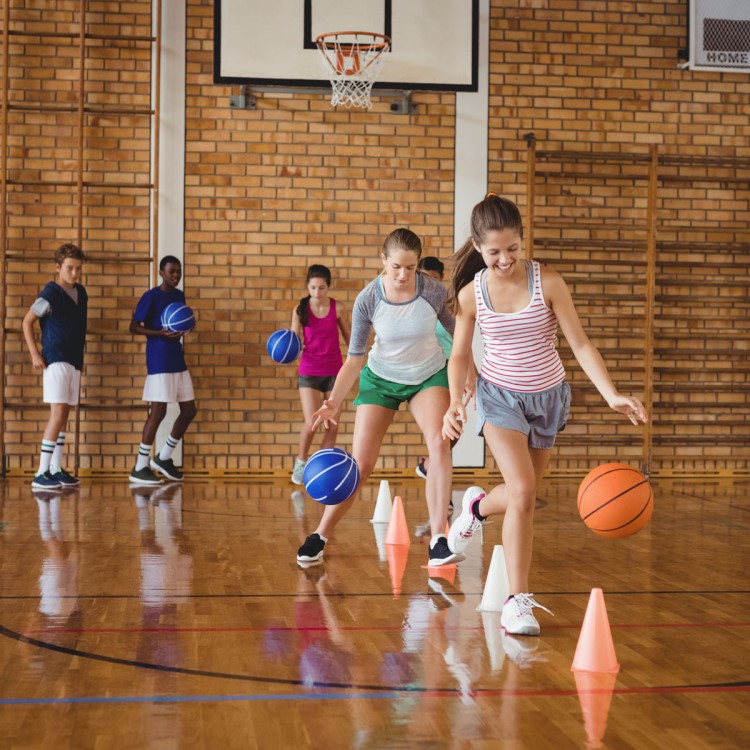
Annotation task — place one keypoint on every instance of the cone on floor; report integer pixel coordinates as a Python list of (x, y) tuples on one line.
[(496, 587), (383, 505), (595, 694), (380, 529), (494, 639), (398, 531), (446, 572), (595, 651), (397, 555)]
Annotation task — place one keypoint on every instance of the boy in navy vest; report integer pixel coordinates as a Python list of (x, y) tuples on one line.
[(168, 380), (61, 310)]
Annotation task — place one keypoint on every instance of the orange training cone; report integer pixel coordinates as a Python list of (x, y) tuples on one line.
[(397, 555), (398, 531), (595, 693), (595, 651), (446, 572)]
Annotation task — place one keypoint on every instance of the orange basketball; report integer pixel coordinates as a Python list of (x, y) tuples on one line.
[(615, 500)]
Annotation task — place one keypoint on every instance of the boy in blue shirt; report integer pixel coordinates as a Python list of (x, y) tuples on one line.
[(168, 379), (61, 310)]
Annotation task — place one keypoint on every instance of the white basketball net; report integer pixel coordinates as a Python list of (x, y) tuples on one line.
[(352, 60)]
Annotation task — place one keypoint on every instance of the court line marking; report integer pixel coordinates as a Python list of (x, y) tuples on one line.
[(392, 695), (387, 594), (740, 686), (364, 628)]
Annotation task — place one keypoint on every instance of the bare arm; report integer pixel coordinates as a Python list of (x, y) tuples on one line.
[(346, 378), (558, 297), (37, 360), (344, 328), (461, 363)]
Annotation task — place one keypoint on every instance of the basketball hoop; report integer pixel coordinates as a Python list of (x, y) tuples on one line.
[(352, 60)]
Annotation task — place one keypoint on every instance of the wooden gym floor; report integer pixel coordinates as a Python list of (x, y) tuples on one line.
[(177, 618)]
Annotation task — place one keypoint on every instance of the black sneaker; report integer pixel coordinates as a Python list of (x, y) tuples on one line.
[(440, 553), (45, 482), (144, 476), (311, 550), (166, 466), (421, 470), (65, 479)]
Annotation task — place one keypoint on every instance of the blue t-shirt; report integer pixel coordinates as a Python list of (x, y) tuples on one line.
[(162, 355)]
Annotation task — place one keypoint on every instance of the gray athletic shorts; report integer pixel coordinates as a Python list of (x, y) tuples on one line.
[(540, 415), (322, 383)]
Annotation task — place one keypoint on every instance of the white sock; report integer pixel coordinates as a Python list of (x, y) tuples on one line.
[(56, 463), (434, 539), (144, 455), (45, 457), (167, 448)]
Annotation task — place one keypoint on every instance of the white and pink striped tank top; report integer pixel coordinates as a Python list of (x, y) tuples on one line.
[(520, 351)]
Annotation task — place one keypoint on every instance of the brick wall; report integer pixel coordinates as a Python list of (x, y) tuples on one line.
[(293, 182)]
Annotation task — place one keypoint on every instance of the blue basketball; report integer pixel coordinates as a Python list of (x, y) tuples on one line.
[(331, 476), (284, 346), (178, 318)]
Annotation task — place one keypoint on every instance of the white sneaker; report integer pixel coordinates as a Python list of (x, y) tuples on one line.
[(298, 472), (465, 526), (517, 617)]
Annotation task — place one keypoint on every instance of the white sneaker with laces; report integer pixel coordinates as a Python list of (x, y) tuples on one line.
[(517, 617), (298, 472), (467, 524)]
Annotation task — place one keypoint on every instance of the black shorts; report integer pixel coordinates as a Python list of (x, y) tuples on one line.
[(322, 383)]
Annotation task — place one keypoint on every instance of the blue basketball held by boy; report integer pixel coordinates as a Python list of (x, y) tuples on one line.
[(331, 476), (284, 346), (178, 318)]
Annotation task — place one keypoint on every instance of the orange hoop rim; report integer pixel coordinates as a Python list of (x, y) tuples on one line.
[(322, 39)]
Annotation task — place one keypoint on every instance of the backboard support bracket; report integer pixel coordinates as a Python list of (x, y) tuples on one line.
[(247, 97)]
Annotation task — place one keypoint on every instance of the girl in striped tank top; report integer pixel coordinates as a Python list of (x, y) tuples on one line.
[(522, 398)]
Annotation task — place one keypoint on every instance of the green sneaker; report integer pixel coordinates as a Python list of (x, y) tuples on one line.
[(299, 471)]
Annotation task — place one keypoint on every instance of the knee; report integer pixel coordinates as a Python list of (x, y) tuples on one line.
[(437, 447), (522, 498), (365, 469)]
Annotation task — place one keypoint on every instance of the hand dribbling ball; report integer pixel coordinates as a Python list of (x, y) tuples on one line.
[(284, 346), (177, 317), (331, 476), (615, 500)]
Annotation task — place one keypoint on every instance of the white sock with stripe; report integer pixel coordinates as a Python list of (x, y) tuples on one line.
[(144, 456), (56, 462), (168, 448), (45, 457)]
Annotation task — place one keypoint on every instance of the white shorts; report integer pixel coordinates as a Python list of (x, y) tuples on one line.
[(61, 383), (169, 388)]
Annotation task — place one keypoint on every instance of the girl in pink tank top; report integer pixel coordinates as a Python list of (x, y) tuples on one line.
[(317, 321), (522, 398)]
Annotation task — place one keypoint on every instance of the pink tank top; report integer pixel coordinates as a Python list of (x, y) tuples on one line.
[(520, 351), (321, 354)]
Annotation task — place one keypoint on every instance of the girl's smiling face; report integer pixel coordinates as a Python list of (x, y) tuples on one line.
[(501, 250)]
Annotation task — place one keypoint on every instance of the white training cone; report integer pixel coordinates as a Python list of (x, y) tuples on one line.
[(494, 639), (380, 529), (383, 505), (496, 587)]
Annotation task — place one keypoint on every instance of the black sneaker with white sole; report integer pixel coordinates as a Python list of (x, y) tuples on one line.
[(312, 550), (144, 476), (166, 467), (441, 554)]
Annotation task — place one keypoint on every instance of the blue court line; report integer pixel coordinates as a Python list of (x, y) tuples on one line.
[(195, 698)]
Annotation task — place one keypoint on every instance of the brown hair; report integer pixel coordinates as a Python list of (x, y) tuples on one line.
[(403, 238), (68, 250), (493, 214)]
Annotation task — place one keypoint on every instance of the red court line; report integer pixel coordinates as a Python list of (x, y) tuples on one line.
[(366, 628)]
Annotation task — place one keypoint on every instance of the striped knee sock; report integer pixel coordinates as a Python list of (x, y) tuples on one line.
[(144, 455), (56, 462), (45, 458), (167, 448)]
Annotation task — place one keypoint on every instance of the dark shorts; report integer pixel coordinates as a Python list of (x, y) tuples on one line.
[(376, 390), (322, 383), (540, 416)]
